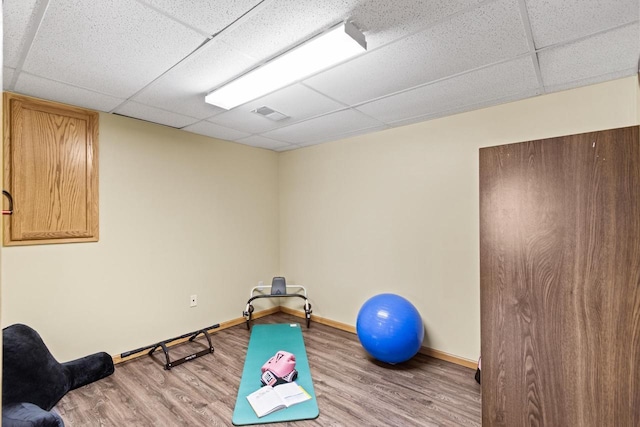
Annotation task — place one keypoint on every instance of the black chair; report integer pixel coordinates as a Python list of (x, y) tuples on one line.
[(33, 381)]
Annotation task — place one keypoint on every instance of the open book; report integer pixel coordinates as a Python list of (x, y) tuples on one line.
[(270, 399)]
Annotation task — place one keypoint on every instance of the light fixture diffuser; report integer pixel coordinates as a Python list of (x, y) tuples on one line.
[(329, 48)]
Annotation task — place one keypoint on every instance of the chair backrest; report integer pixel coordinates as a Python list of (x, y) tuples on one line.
[(30, 372), (278, 286)]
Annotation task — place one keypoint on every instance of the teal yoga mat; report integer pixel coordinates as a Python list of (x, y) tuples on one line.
[(265, 341)]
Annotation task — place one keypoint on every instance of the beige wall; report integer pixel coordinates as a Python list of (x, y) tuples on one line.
[(180, 214), (397, 211)]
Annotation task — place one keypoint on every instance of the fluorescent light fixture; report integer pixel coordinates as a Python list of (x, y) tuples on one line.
[(329, 48)]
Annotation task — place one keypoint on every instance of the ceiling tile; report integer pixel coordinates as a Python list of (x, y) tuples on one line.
[(344, 135), (215, 131), (324, 127), (287, 148), (296, 101), (248, 122), (76, 36), (47, 89), (554, 21), (19, 23), (169, 95), (384, 21), (155, 115), (480, 86), (465, 108), (591, 60), (7, 78), (262, 142), (470, 40), (284, 24), (184, 87), (206, 16)]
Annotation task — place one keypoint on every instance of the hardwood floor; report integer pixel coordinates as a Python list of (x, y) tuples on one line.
[(351, 388)]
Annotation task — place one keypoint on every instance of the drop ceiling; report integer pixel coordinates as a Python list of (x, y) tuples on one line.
[(155, 60)]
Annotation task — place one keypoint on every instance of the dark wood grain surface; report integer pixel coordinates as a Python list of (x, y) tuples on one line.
[(351, 388), (560, 281)]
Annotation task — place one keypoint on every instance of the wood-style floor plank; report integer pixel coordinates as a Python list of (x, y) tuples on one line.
[(351, 388)]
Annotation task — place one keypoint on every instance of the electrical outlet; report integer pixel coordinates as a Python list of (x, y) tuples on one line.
[(193, 301)]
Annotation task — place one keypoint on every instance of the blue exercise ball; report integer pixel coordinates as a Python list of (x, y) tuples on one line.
[(390, 328)]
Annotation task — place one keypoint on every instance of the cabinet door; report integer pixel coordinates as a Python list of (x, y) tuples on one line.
[(51, 169), (560, 281)]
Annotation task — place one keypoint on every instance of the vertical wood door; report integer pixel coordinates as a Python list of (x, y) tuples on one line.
[(51, 169), (560, 281)]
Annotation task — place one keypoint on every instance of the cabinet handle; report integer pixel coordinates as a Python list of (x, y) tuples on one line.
[(10, 211)]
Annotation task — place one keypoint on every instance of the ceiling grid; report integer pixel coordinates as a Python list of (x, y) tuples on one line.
[(156, 60)]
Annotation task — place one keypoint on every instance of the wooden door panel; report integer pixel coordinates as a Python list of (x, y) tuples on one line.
[(560, 297)]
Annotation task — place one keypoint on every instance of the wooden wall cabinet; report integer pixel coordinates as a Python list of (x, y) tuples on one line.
[(560, 281), (51, 169)]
